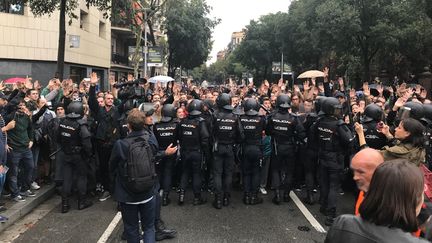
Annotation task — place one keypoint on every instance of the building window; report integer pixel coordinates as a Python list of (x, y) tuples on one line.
[(102, 30), (6, 7), (84, 21)]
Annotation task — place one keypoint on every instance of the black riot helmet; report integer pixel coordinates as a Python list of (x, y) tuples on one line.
[(224, 101), (168, 112), (414, 109), (332, 107), (283, 101), (373, 112), (318, 105), (75, 110), (251, 107), (147, 108), (427, 119), (195, 107)]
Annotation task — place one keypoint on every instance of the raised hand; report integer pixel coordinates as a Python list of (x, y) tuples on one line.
[(94, 78), (366, 89)]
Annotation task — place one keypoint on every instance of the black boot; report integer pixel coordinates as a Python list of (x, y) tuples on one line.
[(309, 199), (165, 199), (181, 197), (226, 199), (286, 196), (83, 203), (331, 215), (162, 233), (198, 200), (255, 199), (247, 198), (65, 205), (217, 203), (277, 197)]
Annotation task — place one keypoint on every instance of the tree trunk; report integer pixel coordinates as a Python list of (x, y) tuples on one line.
[(62, 40), (366, 67)]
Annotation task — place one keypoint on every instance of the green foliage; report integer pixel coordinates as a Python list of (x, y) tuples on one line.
[(189, 32), (358, 38)]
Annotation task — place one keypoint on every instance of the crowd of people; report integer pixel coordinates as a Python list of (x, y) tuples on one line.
[(208, 138)]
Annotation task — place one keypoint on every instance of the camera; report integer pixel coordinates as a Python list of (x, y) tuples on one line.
[(130, 89)]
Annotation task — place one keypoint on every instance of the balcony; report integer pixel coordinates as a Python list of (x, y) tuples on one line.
[(119, 59)]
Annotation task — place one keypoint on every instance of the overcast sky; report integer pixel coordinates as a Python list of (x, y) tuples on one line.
[(236, 14)]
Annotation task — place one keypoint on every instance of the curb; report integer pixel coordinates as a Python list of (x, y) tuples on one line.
[(18, 210)]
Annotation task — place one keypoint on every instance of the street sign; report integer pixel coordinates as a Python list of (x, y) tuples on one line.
[(276, 68), (155, 57)]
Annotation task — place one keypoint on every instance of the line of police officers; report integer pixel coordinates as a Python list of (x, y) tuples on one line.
[(212, 139)]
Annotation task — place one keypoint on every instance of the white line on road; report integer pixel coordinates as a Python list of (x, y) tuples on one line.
[(110, 228), (307, 214)]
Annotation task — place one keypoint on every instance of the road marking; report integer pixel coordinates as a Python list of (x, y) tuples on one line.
[(110, 228), (307, 214)]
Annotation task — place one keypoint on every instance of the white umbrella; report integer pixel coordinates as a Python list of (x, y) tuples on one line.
[(311, 74), (162, 79)]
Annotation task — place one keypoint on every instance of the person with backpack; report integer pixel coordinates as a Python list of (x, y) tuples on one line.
[(132, 168)]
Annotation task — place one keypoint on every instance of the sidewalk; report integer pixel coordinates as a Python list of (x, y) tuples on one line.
[(17, 210)]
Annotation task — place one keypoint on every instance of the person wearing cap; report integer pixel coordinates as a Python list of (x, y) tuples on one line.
[(227, 132)]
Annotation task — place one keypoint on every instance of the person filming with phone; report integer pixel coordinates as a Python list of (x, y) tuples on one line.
[(406, 143)]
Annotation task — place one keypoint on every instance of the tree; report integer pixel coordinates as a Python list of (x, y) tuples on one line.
[(262, 44), (66, 7), (189, 33)]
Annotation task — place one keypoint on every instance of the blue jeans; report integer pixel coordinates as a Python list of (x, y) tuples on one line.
[(15, 160), (131, 215)]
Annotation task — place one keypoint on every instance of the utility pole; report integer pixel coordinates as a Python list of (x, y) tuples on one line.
[(145, 43), (282, 66)]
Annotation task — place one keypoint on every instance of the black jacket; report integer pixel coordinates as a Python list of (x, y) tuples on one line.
[(119, 156), (353, 229)]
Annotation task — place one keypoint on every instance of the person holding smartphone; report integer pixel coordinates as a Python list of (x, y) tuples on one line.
[(373, 124)]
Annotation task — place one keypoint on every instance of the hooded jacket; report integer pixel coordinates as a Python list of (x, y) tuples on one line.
[(407, 151)]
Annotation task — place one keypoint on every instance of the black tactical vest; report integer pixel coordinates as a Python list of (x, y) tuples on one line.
[(252, 128), (327, 136), (374, 139), (165, 133), (69, 134), (226, 127), (283, 128), (189, 130)]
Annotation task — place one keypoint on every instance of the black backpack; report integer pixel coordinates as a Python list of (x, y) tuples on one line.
[(139, 174)]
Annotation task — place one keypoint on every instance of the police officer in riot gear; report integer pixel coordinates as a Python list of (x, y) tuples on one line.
[(286, 130), (74, 139), (227, 132), (311, 160), (253, 126), (333, 138), (372, 121), (193, 137), (413, 109), (166, 134)]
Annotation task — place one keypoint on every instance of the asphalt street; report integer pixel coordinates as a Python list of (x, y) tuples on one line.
[(235, 223)]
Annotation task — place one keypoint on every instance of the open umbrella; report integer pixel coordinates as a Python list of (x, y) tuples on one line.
[(162, 79), (311, 74), (14, 80)]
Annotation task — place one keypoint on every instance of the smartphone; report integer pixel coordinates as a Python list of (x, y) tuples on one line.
[(380, 126)]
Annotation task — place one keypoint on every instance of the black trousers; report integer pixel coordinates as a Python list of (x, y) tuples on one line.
[(252, 157), (310, 165), (74, 165), (191, 165), (329, 186), (223, 168), (283, 166), (104, 153), (165, 171)]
